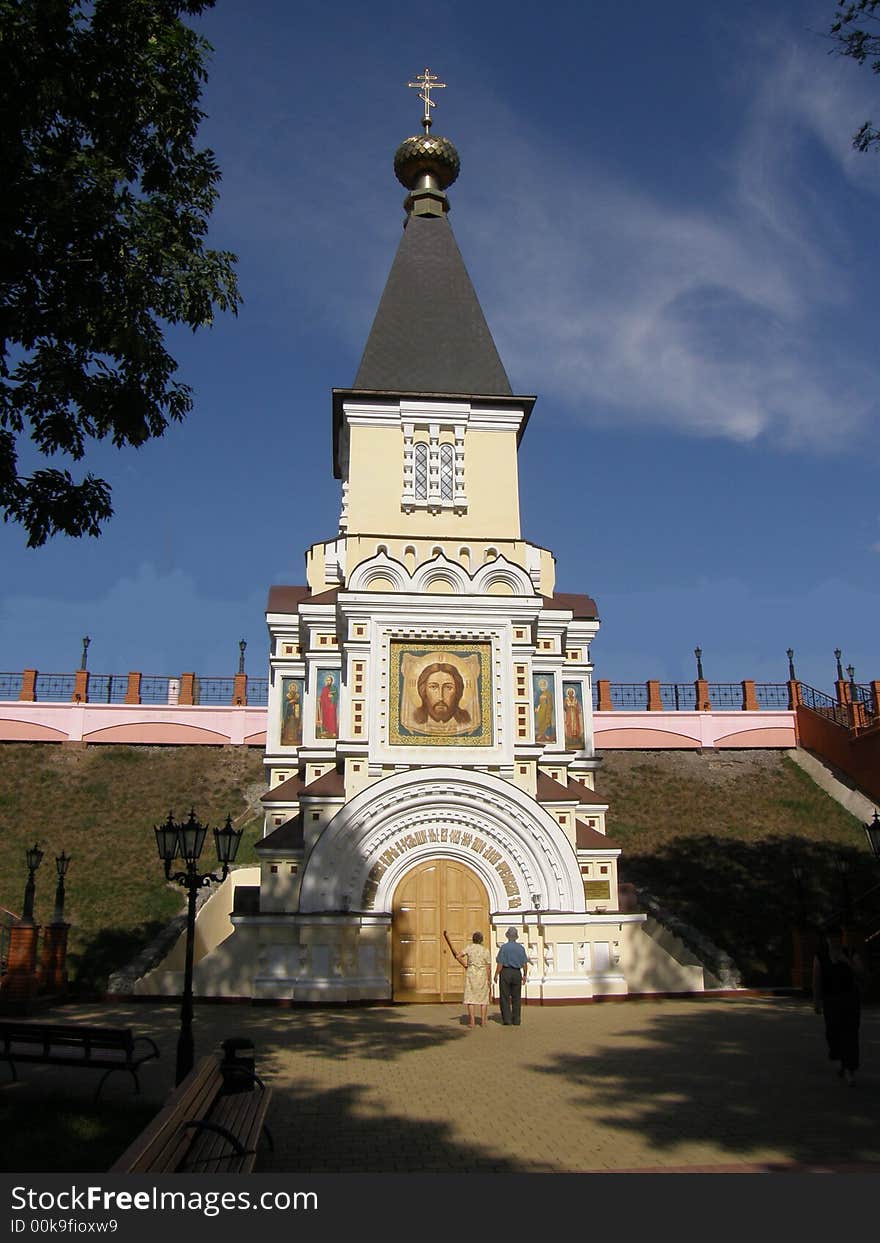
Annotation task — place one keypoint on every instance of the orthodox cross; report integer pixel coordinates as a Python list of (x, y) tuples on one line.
[(424, 84)]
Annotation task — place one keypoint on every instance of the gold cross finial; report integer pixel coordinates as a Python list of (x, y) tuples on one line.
[(424, 84)]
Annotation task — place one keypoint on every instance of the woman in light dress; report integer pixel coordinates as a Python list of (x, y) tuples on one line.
[(477, 963)]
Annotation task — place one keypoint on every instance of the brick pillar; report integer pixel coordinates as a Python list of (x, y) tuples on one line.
[(843, 695), (875, 698), (794, 695), (80, 687), (701, 686), (603, 695), (133, 689), (186, 688), (750, 703), (53, 963), (28, 685), (655, 703), (239, 688), (19, 983)]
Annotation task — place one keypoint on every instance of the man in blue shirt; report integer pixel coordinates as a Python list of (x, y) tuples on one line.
[(511, 969)]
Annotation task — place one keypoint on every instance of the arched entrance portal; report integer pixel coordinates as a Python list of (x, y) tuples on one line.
[(438, 894)]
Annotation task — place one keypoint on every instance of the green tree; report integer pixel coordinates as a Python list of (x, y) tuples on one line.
[(104, 207), (861, 42)]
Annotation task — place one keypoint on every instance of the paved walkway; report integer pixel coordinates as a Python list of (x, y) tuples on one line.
[(706, 1084)]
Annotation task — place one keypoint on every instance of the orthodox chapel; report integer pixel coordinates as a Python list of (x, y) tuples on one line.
[(429, 756)]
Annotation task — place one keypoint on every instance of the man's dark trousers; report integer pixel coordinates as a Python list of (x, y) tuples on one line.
[(510, 994)]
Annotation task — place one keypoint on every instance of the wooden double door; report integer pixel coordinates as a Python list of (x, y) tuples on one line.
[(435, 895)]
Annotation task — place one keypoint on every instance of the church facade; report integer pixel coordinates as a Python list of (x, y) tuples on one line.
[(429, 758)]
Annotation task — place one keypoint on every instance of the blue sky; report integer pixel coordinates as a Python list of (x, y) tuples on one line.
[(675, 247)]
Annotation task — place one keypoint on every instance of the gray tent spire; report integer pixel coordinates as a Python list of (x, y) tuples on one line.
[(430, 334)]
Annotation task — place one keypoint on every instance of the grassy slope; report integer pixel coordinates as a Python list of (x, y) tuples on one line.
[(714, 836), (99, 804), (711, 836)]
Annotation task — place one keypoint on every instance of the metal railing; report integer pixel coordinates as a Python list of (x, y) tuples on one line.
[(212, 690), (258, 692), (10, 685), (824, 705), (629, 695), (678, 696), (57, 687), (112, 688), (772, 696), (726, 696), (159, 690), (107, 688)]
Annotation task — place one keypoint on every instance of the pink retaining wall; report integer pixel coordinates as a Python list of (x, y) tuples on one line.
[(243, 726), (649, 731), (133, 723)]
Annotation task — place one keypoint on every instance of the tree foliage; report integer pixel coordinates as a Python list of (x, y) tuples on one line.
[(104, 213), (856, 29)]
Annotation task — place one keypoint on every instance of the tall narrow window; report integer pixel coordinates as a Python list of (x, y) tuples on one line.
[(421, 471), (447, 472)]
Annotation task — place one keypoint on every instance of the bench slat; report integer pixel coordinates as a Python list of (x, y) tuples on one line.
[(174, 1141), (162, 1145)]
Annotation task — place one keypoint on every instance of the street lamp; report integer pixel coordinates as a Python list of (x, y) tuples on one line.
[(791, 673), (872, 831), (698, 652), (842, 866), (185, 841), (837, 655), (241, 650), (34, 858), (62, 863), (797, 932)]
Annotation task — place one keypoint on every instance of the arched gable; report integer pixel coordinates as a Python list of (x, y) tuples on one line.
[(514, 845)]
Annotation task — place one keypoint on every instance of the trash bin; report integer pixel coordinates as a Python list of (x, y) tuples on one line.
[(237, 1066)]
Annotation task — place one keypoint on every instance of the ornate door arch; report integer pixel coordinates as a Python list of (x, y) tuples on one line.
[(436, 894)]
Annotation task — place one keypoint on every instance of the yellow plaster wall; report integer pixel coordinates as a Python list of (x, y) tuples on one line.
[(376, 484)]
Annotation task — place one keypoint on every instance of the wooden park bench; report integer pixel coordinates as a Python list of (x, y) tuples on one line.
[(210, 1124), (70, 1044)]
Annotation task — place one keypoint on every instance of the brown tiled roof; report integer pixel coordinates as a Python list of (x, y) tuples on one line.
[(550, 791), (323, 597), (584, 794), (287, 792), (331, 784), (285, 599), (592, 839), (246, 900), (579, 606), (288, 836)]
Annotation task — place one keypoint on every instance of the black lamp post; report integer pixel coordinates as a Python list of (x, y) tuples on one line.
[(872, 832), (800, 920), (185, 841), (62, 863), (698, 652), (842, 865), (85, 650), (797, 872), (791, 673), (34, 858), (241, 650), (837, 655)]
